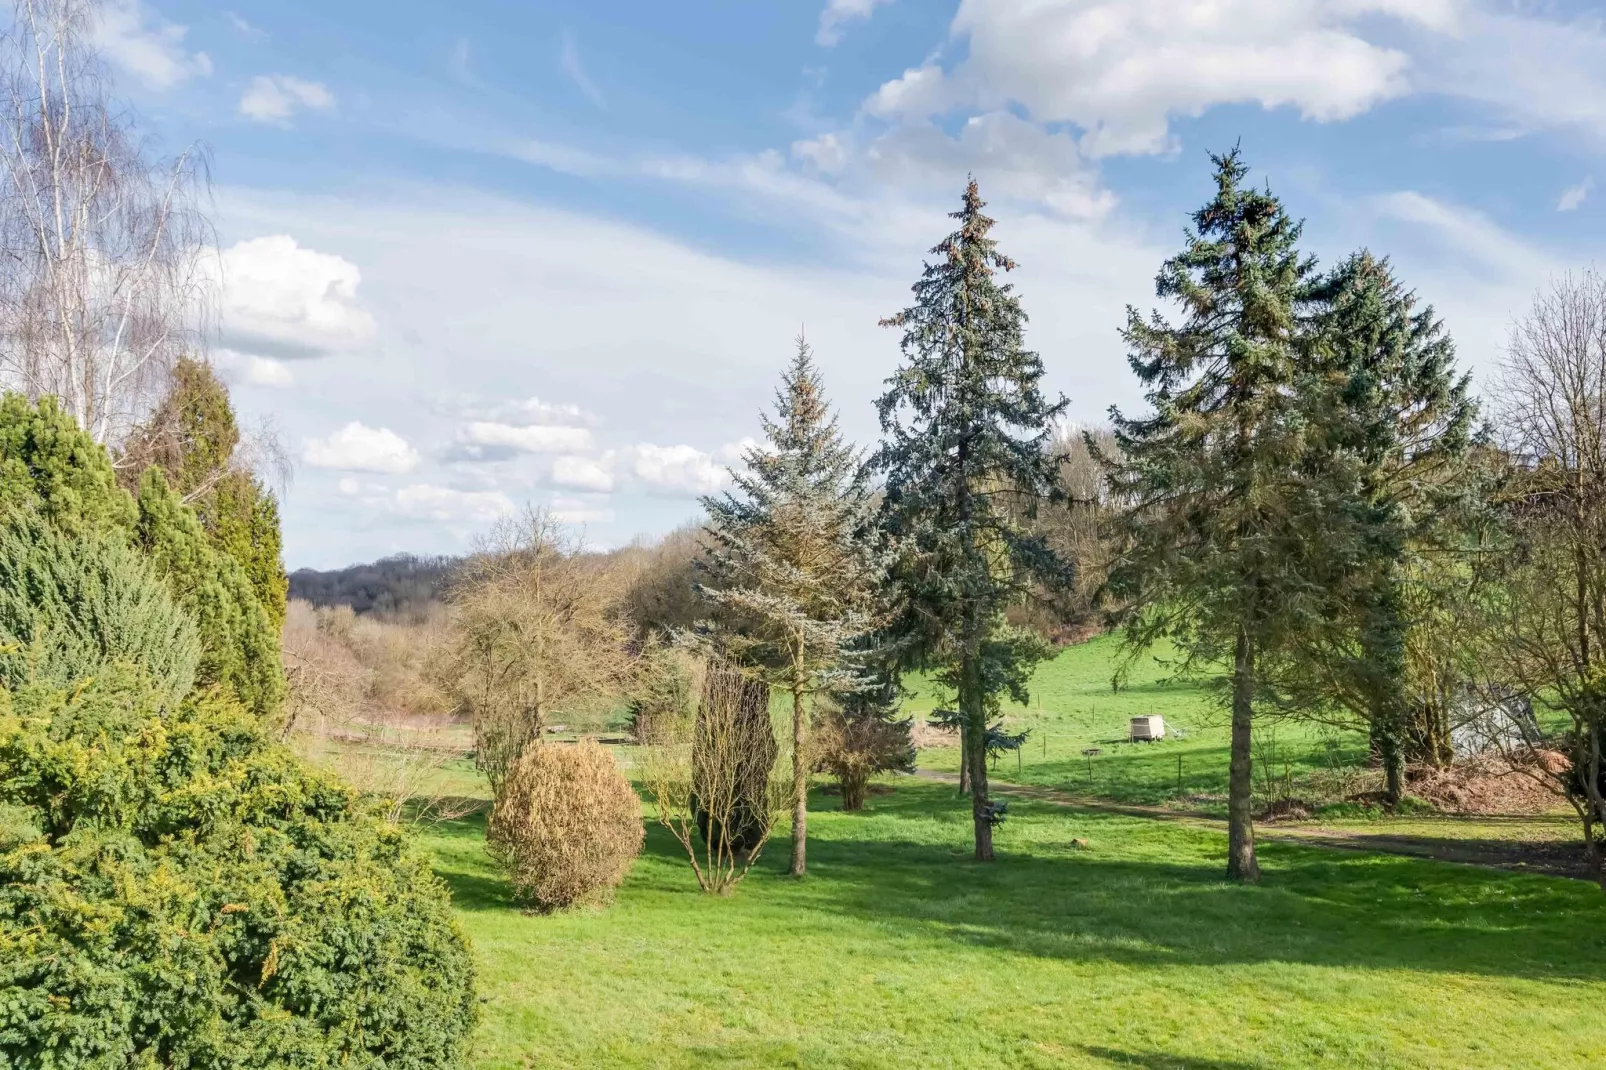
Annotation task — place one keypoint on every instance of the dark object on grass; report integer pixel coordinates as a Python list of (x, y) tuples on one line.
[(733, 750)]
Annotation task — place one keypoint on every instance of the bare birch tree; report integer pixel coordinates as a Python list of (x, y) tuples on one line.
[(103, 247)]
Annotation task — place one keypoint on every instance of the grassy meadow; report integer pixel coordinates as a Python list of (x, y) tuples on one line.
[(1074, 708), (898, 951)]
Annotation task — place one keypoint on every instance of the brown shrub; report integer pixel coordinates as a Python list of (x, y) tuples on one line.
[(854, 745), (566, 824)]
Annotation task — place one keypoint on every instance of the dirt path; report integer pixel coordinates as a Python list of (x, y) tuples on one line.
[(1555, 859)]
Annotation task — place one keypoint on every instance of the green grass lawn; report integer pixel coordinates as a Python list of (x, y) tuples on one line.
[(897, 951), (1073, 708)]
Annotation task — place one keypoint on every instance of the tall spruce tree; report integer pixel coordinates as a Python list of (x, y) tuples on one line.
[(794, 562), (1388, 424), (966, 460), (1211, 550)]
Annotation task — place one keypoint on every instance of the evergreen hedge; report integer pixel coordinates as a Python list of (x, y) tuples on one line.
[(52, 469), (71, 607), (178, 891)]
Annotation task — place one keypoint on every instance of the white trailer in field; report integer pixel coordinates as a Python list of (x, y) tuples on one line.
[(1148, 729)]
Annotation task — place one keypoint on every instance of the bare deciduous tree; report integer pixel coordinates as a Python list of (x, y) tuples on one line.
[(103, 247), (1551, 635), (535, 632)]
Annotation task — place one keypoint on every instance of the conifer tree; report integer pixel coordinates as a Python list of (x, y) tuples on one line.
[(793, 561), (1211, 551), (194, 437), (1388, 425), (965, 458)]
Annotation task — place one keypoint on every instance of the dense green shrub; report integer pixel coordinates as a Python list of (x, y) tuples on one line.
[(48, 463), (49, 467), (178, 891), (72, 606)]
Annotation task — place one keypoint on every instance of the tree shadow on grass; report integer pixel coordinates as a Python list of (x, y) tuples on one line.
[(1156, 1060), (1145, 894), (1132, 899)]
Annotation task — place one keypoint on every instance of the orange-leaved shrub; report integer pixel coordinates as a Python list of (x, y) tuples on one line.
[(567, 825)]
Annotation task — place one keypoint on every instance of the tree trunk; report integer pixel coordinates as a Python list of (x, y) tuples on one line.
[(1241, 863), (1383, 646), (800, 783), (853, 788), (975, 754), (964, 761)]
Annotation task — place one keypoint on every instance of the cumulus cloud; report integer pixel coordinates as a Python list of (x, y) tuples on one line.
[(583, 473), (484, 440), (1120, 70), (253, 370), (275, 98), (145, 45), (839, 12), (680, 471), (283, 301), (428, 501), (359, 448)]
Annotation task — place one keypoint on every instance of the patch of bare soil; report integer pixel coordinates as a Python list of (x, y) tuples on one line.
[(1490, 785)]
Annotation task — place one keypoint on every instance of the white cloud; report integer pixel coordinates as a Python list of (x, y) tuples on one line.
[(284, 301), (1120, 70), (569, 63), (253, 370), (145, 45), (1532, 65), (466, 274), (838, 12), (246, 29), (1010, 156), (584, 473), (275, 98), (1575, 195), (484, 440), (580, 511), (359, 448), (532, 410), (679, 470), (446, 505), (1481, 246)]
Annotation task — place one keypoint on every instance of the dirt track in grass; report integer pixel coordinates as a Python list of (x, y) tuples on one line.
[(1554, 857)]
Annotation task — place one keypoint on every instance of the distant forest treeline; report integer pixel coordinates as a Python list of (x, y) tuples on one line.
[(405, 584)]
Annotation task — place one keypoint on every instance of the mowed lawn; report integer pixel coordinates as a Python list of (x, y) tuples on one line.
[(898, 951), (1074, 708)]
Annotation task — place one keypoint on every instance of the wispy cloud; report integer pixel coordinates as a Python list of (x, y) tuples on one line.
[(569, 63), (838, 12), (246, 29), (147, 46), (1575, 195), (274, 98)]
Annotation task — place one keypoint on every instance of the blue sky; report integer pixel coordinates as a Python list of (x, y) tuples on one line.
[(483, 254)]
